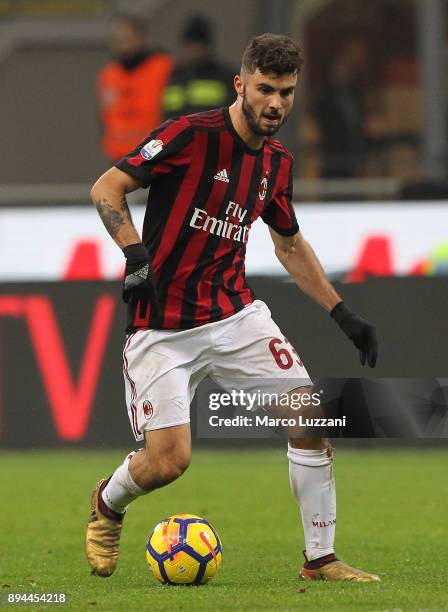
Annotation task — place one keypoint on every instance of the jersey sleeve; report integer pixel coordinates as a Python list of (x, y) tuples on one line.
[(279, 213), (161, 152)]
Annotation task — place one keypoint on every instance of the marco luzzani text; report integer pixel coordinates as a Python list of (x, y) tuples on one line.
[(258, 399)]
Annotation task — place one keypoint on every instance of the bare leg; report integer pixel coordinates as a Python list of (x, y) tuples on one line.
[(166, 456)]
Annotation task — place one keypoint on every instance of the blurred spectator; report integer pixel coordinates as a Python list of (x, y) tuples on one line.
[(130, 88), (198, 82), (342, 122)]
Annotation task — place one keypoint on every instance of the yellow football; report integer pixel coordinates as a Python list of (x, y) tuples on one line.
[(184, 549)]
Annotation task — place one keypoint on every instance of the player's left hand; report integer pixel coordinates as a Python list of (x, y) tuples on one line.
[(360, 332)]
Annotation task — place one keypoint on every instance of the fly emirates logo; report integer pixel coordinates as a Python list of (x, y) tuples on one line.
[(233, 230)]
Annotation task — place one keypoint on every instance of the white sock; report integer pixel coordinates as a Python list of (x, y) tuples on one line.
[(121, 490), (311, 478)]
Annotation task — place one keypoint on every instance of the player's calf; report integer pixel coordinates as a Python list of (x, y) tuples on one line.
[(154, 473), (312, 483), (165, 458)]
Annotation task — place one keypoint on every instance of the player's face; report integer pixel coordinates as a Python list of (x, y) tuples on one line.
[(267, 100)]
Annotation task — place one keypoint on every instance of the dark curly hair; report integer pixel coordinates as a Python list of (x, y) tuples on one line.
[(272, 53)]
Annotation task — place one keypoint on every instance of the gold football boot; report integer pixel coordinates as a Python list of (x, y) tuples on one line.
[(333, 569), (102, 537)]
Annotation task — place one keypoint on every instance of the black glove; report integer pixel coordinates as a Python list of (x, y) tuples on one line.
[(139, 285), (361, 333)]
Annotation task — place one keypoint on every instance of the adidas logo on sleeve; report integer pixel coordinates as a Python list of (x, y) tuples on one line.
[(222, 176)]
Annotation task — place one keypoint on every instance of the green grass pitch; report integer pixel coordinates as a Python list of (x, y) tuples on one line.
[(392, 520)]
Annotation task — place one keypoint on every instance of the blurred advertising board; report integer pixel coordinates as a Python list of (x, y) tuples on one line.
[(61, 379), (352, 241)]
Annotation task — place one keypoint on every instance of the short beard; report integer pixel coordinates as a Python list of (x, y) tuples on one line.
[(252, 121)]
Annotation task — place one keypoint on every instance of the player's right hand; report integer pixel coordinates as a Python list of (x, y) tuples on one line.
[(139, 285), (360, 332)]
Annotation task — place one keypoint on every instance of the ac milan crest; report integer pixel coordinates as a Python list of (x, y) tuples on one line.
[(148, 410)]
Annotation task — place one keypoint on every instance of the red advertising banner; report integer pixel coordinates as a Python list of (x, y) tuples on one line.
[(61, 378), (55, 345)]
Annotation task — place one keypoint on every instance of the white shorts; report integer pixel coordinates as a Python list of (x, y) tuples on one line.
[(162, 368)]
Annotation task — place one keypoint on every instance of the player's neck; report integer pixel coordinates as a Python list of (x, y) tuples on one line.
[(239, 122)]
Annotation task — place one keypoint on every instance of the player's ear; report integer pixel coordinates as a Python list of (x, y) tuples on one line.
[(239, 85)]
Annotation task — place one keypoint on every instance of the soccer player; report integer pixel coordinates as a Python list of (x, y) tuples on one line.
[(191, 313)]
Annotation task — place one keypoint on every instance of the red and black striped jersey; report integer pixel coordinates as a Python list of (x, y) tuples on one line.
[(207, 187)]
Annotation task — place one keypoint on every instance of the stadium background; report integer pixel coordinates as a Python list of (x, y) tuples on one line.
[(382, 235)]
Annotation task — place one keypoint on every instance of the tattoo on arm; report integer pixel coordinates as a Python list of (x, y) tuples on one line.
[(112, 218)]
